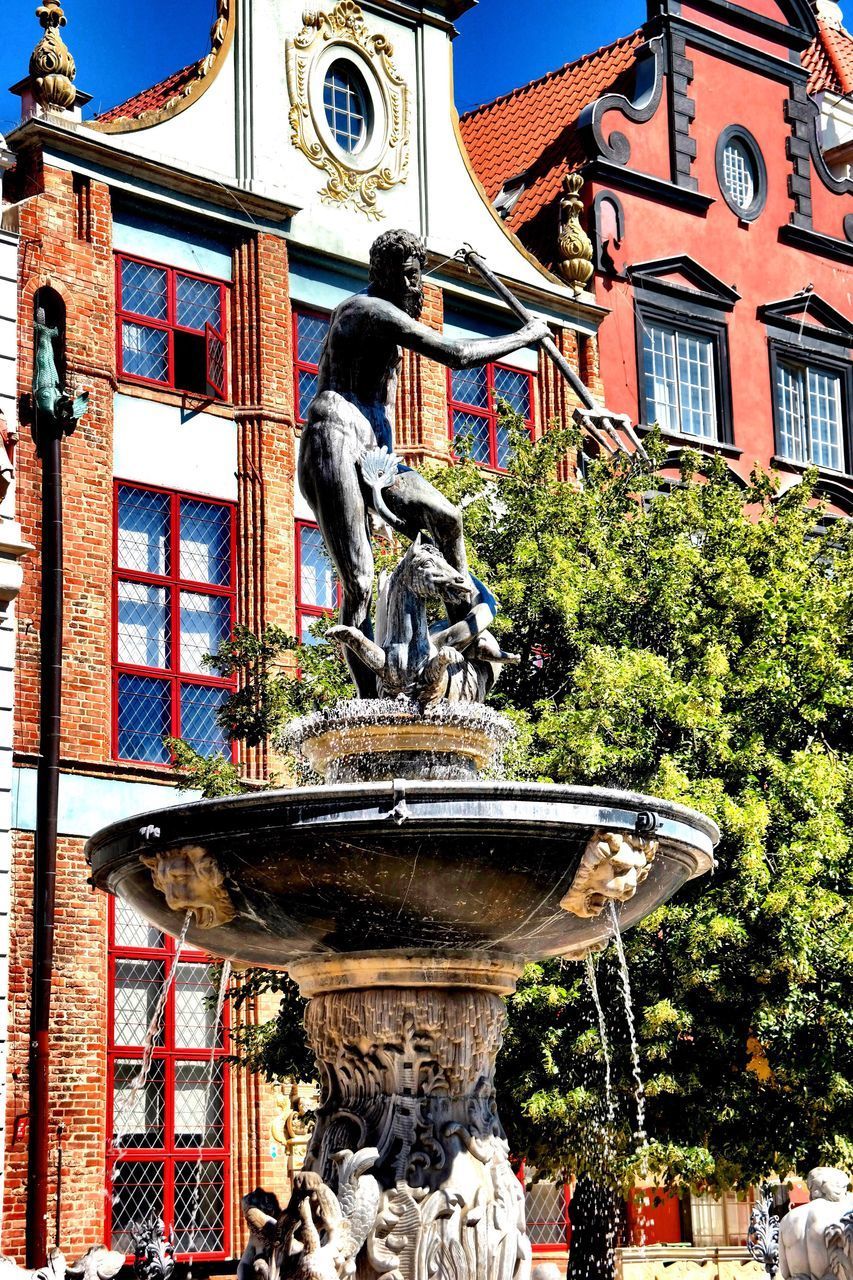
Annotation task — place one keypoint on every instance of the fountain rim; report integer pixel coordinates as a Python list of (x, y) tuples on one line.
[(522, 802)]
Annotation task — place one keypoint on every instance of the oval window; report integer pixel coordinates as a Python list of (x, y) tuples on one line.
[(347, 106), (741, 173)]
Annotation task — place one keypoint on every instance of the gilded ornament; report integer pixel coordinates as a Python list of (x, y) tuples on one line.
[(574, 247), (347, 181), (52, 68)]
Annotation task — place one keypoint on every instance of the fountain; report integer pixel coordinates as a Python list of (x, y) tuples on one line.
[(406, 890)]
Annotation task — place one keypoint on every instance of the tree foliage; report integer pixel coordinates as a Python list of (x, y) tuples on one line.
[(694, 641)]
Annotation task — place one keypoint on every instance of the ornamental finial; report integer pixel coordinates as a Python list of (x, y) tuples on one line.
[(52, 68), (574, 252)]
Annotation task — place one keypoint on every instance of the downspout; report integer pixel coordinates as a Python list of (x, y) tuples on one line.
[(55, 414), (48, 434)]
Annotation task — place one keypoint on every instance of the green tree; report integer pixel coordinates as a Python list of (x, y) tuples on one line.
[(692, 640)]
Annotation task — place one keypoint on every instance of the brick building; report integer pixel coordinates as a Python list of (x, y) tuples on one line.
[(12, 548), (716, 144), (190, 245)]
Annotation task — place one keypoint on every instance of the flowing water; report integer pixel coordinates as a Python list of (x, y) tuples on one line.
[(625, 984), (592, 983)]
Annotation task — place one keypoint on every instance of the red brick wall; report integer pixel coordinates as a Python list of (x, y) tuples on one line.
[(78, 1068), (81, 271)]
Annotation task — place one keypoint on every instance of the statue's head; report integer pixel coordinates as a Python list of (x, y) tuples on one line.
[(191, 880), (397, 259), (828, 1184)]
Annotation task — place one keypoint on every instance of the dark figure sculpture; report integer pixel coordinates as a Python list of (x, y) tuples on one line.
[(353, 414)]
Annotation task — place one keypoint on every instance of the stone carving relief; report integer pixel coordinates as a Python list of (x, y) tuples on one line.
[(52, 69), (816, 1239), (383, 163), (293, 1122), (190, 880), (612, 868)]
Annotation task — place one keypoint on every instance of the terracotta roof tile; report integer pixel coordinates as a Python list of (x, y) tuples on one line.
[(151, 99), (829, 60), (532, 131)]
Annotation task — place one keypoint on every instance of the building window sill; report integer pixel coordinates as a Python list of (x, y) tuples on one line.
[(696, 442), (800, 468), (189, 403)]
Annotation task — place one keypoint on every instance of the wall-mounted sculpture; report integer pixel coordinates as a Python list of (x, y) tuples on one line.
[(190, 880), (612, 868)]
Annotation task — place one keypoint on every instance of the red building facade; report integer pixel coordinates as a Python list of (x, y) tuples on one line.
[(721, 223)]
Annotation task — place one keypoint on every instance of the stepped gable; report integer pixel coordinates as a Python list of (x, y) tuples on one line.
[(829, 60), (531, 132), (154, 98)]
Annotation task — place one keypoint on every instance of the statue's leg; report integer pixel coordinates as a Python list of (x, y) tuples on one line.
[(414, 500), (331, 485)]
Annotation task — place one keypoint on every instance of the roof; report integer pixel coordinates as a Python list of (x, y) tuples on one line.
[(532, 132), (154, 98), (829, 60)]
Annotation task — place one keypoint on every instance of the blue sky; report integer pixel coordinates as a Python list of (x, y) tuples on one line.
[(121, 49)]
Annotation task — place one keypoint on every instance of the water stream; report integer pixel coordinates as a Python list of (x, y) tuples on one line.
[(592, 983), (625, 984)]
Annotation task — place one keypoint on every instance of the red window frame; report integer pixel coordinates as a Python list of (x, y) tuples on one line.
[(308, 611), (489, 414), (564, 1221), (217, 388), (169, 1154), (174, 584), (300, 365)]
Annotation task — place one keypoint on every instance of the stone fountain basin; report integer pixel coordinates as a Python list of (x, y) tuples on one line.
[(439, 867)]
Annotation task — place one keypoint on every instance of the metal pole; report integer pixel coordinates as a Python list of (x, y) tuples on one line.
[(57, 1234), (44, 864), (550, 348)]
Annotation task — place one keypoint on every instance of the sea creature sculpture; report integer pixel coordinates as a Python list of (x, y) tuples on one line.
[(612, 868), (97, 1263), (320, 1234), (453, 662), (49, 397), (260, 1209)]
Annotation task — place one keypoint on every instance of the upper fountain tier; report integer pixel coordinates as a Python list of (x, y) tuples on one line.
[(505, 871)]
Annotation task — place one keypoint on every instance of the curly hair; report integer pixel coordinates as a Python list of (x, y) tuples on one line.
[(387, 255)]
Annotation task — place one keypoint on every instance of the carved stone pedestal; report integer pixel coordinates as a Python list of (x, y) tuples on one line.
[(407, 1133)]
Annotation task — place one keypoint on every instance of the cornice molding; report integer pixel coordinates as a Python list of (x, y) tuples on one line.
[(817, 242), (788, 312), (703, 285), (646, 184)]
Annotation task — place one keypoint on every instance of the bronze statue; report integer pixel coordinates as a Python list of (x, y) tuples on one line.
[(352, 415)]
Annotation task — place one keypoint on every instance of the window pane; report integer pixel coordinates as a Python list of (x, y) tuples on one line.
[(514, 387), (310, 335), (792, 415), (144, 718), (138, 1110), (471, 436), (137, 1195), (306, 622), (504, 446), (307, 391), (205, 542), (143, 530), (825, 419), (545, 1205), (199, 1206), (195, 1013), (345, 105), (145, 352), (316, 576), (738, 175), (199, 704), (198, 303), (659, 371), (143, 624), (706, 1214), (696, 385), (138, 984), (144, 290), (205, 623), (199, 1111), (469, 386), (131, 930)]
